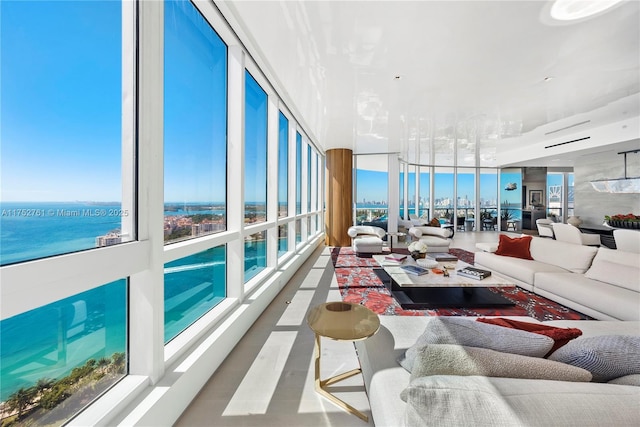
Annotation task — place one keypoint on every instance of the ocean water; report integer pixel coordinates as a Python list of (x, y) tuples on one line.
[(92, 323), (35, 230)]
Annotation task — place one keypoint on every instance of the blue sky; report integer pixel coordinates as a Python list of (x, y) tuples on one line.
[(60, 130), (62, 95), (372, 185)]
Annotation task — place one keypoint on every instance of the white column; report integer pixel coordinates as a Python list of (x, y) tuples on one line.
[(235, 170), (146, 305)]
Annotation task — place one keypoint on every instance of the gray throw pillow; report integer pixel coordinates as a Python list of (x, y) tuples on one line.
[(449, 359), (606, 356), (468, 332)]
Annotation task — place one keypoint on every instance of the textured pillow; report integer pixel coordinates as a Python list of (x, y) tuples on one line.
[(633, 379), (560, 336), (468, 332), (606, 356), (517, 247), (434, 222), (448, 359)]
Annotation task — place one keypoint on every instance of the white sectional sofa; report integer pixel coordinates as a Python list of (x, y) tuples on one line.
[(600, 282), (453, 400)]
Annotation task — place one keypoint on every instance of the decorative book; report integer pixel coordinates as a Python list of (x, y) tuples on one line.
[(397, 258), (443, 256), (415, 270), (474, 273)]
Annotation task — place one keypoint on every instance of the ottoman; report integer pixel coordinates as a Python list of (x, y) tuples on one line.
[(367, 245)]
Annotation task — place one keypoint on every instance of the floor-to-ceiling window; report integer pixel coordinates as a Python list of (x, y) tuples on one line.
[(255, 137), (465, 194), (195, 147), (62, 177), (558, 196), (488, 199), (64, 189), (119, 232), (371, 194), (510, 196), (283, 165), (255, 188), (425, 192), (443, 193), (298, 173)]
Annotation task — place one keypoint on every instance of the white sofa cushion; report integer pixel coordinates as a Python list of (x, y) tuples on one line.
[(616, 267), (520, 269), (575, 258), (570, 289), (447, 400), (633, 379)]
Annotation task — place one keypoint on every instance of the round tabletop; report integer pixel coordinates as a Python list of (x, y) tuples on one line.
[(343, 321), (396, 233)]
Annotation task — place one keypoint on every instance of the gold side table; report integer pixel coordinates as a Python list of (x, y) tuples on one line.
[(340, 321)]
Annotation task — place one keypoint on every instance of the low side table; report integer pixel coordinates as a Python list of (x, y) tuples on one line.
[(393, 234), (340, 321)]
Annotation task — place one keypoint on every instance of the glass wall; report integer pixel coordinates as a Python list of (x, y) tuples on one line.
[(309, 162), (556, 195), (488, 199), (443, 193), (195, 67), (255, 254), (193, 285), (61, 177), (67, 351), (298, 173), (510, 195), (283, 239), (114, 133), (283, 165), (255, 152), (372, 183), (425, 191), (465, 194)]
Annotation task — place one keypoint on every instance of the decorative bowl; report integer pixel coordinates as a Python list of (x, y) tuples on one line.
[(427, 263)]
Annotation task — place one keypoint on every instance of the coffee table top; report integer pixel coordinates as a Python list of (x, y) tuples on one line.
[(343, 321), (432, 280)]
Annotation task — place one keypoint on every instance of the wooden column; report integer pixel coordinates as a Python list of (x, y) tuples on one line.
[(339, 215)]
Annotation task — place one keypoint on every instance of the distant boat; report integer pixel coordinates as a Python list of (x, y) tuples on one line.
[(511, 186)]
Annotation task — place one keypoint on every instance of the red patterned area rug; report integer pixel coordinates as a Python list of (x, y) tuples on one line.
[(359, 284)]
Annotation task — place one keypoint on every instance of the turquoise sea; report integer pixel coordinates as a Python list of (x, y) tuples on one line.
[(50, 341)]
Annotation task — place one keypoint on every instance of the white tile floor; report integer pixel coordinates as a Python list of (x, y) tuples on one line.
[(267, 380)]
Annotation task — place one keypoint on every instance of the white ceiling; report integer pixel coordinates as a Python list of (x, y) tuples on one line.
[(390, 76)]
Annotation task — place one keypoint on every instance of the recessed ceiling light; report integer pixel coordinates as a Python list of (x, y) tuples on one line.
[(397, 77), (548, 78), (569, 10)]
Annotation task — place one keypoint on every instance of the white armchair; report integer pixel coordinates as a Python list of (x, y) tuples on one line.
[(570, 234), (544, 227), (366, 239), (436, 238)]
